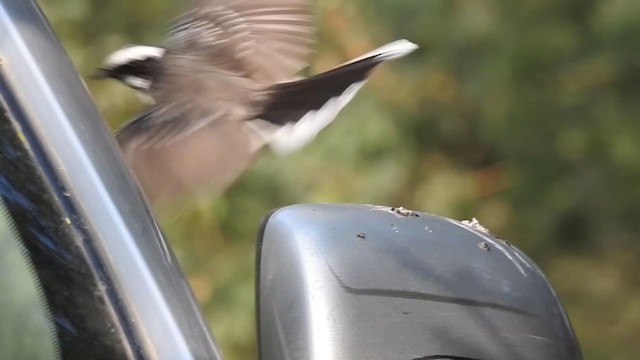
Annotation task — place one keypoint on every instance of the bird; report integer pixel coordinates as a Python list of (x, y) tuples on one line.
[(224, 87)]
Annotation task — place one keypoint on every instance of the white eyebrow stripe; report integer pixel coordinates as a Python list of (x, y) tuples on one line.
[(127, 54)]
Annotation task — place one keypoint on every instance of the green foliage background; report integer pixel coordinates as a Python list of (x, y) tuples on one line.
[(524, 114)]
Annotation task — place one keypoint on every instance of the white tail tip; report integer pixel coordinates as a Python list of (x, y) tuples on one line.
[(390, 51), (396, 49)]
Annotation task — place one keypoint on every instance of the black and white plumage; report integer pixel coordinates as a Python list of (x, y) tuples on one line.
[(223, 87)]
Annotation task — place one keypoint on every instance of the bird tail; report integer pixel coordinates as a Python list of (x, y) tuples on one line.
[(297, 111)]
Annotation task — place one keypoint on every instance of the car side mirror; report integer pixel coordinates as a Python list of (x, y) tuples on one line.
[(372, 282)]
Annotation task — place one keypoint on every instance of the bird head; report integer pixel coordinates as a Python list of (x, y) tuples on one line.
[(135, 66)]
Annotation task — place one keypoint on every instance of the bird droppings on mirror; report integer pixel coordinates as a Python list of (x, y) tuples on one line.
[(404, 212), (484, 246), (398, 211), (475, 224)]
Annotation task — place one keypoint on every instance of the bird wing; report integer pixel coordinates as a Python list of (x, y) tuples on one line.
[(221, 58), (204, 160), (190, 95), (195, 137), (263, 40)]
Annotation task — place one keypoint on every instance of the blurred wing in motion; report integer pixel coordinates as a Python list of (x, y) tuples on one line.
[(263, 40), (208, 159), (188, 142), (220, 58)]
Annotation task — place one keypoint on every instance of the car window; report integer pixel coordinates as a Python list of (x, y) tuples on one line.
[(55, 294), (26, 329)]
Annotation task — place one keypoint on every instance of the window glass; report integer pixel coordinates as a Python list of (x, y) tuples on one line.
[(26, 328), (56, 300)]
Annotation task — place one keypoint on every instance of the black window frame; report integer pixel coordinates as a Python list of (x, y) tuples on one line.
[(88, 316)]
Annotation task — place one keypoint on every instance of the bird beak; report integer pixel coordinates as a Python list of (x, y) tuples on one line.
[(100, 74)]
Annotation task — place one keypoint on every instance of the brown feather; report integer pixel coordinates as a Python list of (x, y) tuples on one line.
[(208, 159)]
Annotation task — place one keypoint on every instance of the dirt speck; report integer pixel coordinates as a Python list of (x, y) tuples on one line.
[(506, 243), (484, 246)]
